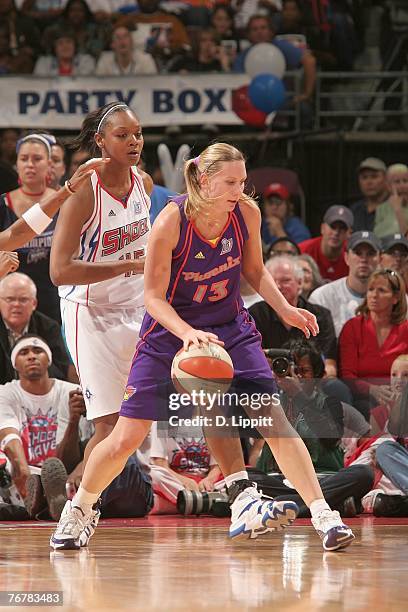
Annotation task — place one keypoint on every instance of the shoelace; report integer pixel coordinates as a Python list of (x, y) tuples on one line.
[(72, 523), (329, 519)]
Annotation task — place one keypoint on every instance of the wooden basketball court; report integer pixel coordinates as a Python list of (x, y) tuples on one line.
[(187, 563)]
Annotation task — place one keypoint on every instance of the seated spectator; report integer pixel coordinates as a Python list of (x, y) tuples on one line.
[(321, 421), (392, 216), (33, 166), (387, 448), (42, 432), (13, 63), (65, 61), (283, 246), (370, 341), (90, 37), (373, 186), (222, 20), (58, 167), (343, 296), (311, 275), (278, 221), (24, 39), (286, 273), (124, 58), (245, 9), (328, 249), (167, 41), (8, 146), (394, 254), (179, 463), (18, 316), (260, 30), (43, 13), (207, 55)]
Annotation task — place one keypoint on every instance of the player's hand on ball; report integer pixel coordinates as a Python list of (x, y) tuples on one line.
[(302, 319), (198, 337), (85, 170), (8, 262)]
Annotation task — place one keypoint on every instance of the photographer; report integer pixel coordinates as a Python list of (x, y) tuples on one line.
[(322, 422)]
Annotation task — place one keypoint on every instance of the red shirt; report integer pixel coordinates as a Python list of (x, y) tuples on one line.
[(360, 357), (330, 269)]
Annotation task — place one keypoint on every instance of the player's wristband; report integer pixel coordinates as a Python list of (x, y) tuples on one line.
[(7, 439), (36, 218)]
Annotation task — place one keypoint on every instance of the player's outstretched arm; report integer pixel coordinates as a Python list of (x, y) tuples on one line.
[(39, 216), (259, 278)]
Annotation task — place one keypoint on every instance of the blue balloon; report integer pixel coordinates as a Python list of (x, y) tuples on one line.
[(267, 93)]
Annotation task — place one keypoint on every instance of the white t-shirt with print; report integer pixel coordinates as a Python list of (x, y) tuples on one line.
[(185, 455), (339, 299), (40, 419)]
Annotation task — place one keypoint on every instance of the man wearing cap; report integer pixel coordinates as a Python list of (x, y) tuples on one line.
[(394, 254), (373, 185), (43, 432), (277, 221), (344, 295), (328, 249)]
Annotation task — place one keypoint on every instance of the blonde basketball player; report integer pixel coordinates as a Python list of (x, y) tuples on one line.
[(97, 260)]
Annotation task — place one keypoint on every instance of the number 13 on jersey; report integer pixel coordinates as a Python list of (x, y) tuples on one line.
[(217, 291)]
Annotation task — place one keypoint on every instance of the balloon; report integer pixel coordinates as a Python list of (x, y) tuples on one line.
[(243, 107), (267, 93), (265, 58)]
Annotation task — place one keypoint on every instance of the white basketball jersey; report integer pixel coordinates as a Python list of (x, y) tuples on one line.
[(116, 230)]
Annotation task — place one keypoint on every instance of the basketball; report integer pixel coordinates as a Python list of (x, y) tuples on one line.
[(207, 368)]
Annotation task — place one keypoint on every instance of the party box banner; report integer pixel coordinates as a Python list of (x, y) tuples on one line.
[(162, 100)]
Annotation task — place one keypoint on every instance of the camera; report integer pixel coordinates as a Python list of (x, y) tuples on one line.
[(282, 361), (201, 502)]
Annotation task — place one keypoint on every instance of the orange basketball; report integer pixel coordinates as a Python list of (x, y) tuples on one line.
[(207, 368)]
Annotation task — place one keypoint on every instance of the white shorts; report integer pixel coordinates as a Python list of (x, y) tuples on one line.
[(102, 343)]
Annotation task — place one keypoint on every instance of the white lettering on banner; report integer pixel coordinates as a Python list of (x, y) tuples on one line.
[(159, 100)]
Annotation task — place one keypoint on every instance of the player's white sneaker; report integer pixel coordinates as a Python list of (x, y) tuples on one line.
[(89, 529), (253, 515), (71, 526), (331, 529)]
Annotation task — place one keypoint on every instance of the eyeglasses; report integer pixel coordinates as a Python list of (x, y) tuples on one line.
[(18, 300)]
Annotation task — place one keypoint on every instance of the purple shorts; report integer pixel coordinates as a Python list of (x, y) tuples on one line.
[(149, 382)]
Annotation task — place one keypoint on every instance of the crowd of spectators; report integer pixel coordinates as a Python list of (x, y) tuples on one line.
[(71, 37)]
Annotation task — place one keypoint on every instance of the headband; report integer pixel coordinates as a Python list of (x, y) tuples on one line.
[(25, 343), (112, 108), (46, 139)]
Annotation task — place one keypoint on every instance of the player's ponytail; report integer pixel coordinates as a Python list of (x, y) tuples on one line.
[(209, 163)]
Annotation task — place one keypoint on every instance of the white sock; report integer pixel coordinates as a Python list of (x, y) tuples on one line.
[(84, 499), (317, 506), (229, 480)]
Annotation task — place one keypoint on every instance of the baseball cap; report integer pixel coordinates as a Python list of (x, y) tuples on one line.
[(372, 163), (363, 238), (339, 213), (389, 241), (277, 189)]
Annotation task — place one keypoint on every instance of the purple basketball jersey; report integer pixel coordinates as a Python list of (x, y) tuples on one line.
[(205, 275)]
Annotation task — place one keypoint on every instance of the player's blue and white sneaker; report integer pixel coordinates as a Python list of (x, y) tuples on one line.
[(75, 528), (253, 515), (331, 529)]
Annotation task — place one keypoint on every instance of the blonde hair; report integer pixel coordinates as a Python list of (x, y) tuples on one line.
[(400, 359), (208, 162), (396, 282)]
